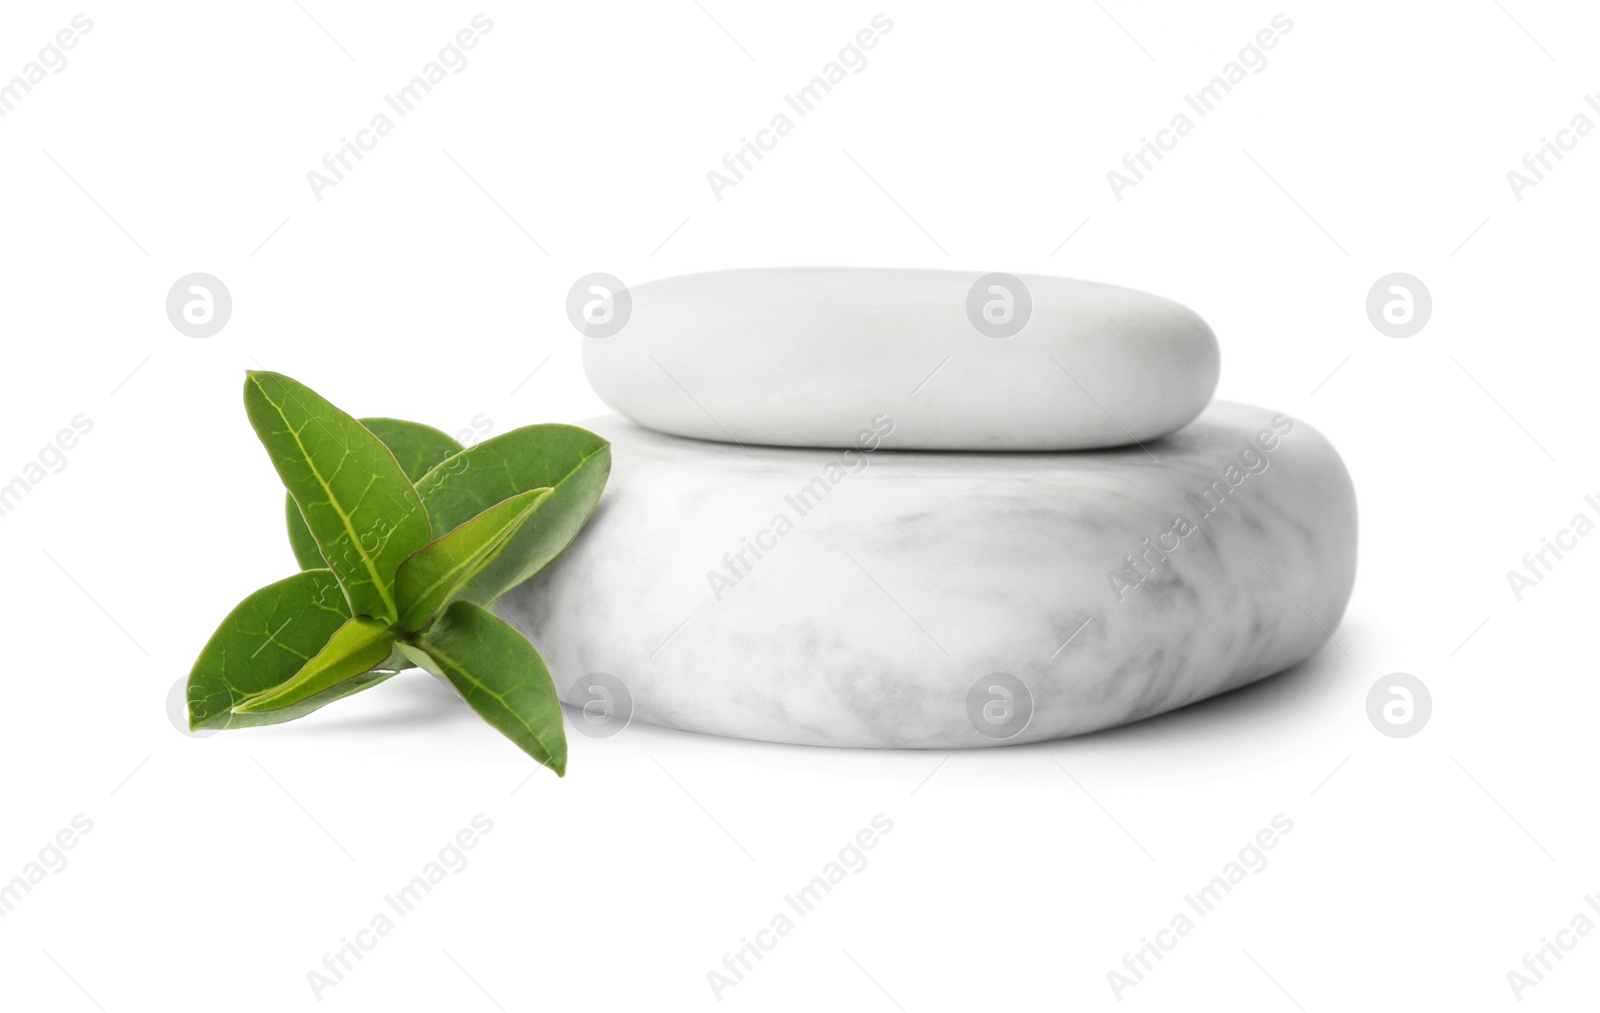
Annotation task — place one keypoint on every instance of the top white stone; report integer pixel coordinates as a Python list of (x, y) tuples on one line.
[(807, 357)]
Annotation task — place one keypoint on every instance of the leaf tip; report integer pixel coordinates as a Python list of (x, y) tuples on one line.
[(253, 377), (555, 756)]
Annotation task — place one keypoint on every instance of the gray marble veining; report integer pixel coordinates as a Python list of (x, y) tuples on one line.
[(858, 597)]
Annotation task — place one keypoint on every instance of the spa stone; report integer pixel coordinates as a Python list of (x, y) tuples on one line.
[(804, 357), (876, 597)]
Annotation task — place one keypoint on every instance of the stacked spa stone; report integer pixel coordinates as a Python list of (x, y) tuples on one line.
[(903, 508)]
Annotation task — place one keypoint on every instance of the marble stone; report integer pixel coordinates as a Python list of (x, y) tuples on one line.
[(945, 600), (803, 357)]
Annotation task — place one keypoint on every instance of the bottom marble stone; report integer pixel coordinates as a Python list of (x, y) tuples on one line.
[(881, 598)]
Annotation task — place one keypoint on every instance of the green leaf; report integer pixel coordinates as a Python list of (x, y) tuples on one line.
[(500, 675), (301, 541), (350, 687), (262, 642), (354, 648), (574, 463), (362, 510), (416, 448), (437, 573)]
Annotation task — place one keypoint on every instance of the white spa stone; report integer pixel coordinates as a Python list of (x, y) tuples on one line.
[(804, 357), (886, 585)]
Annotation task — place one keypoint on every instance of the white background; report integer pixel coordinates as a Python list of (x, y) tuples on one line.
[(431, 282)]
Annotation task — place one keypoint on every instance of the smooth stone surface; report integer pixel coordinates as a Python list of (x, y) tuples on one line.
[(804, 357), (909, 576)]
